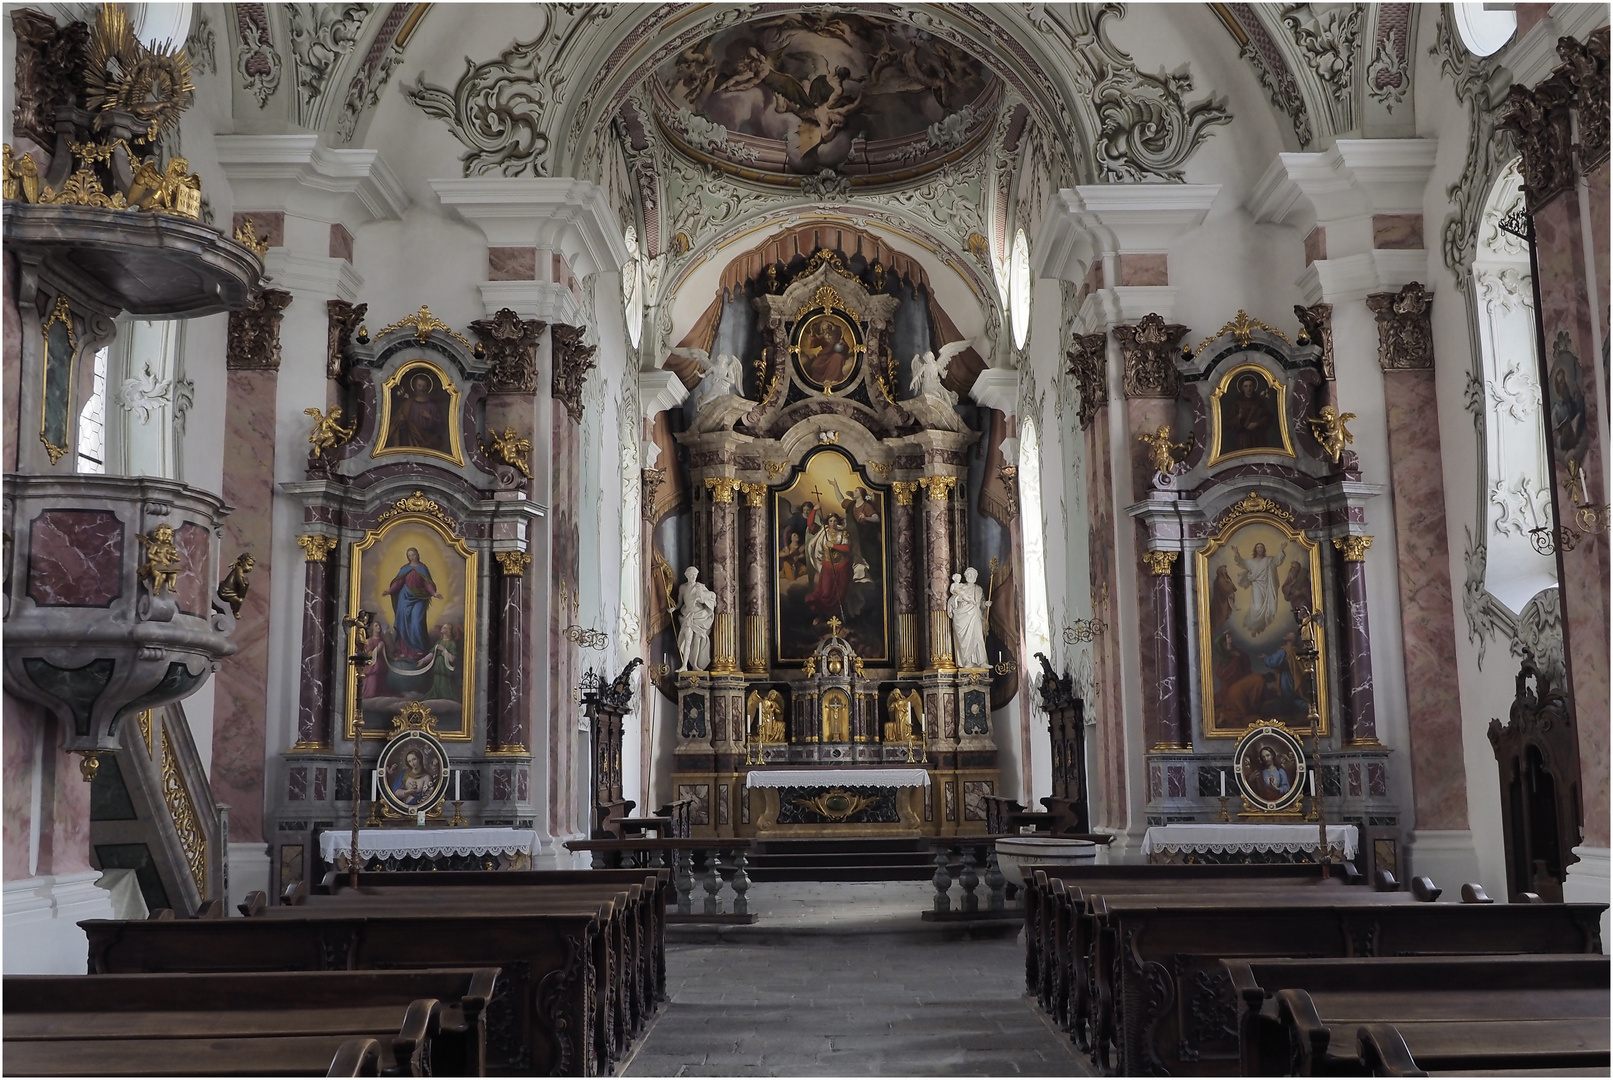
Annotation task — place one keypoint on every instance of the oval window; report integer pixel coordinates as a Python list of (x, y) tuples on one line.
[(1484, 31), (1019, 289)]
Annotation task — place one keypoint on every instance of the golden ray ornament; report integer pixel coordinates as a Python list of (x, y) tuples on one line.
[(123, 74)]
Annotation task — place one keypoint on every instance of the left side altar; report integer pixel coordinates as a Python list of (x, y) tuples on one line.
[(417, 636)]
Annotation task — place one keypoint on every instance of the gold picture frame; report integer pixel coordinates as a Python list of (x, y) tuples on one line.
[(418, 649), (1269, 765), (1262, 424), (1248, 622), (824, 326), (60, 315), (412, 432)]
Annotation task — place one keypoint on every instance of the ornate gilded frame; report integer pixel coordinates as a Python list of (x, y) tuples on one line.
[(420, 510), (1263, 732), (1254, 509), (826, 302), (456, 445), (61, 313), (414, 724), (1217, 455)]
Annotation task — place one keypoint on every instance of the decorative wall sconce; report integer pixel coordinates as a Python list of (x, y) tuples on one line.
[(1083, 630), (587, 637)]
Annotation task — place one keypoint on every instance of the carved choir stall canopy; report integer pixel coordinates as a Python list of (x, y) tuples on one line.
[(417, 529), (1255, 529), (824, 515)]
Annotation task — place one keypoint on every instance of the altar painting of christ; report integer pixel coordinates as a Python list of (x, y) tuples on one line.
[(1256, 580), (830, 559), (418, 583), (420, 414)]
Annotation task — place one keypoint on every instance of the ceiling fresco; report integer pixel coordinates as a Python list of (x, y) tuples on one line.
[(797, 94)]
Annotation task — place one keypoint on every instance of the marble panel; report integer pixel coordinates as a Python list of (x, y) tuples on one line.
[(1144, 269), (1156, 781), (1355, 779), (510, 690), (321, 783), (503, 784), (341, 242), (1361, 716), (512, 264), (297, 783), (313, 718), (195, 574), (1176, 781), (1528, 15), (1397, 232), (1377, 780), (722, 804), (270, 226), (1316, 245), (75, 558), (11, 373), (950, 800), (1428, 626), (523, 777), (20, 723)]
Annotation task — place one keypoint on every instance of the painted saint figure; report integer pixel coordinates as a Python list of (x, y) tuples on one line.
[(413, 784), (412, 590), (1273, 778), (830, 550), (419, 415), (1258, 574), (1251, 416)]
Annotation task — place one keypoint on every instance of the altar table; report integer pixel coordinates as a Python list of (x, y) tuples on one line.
[(783, 778), (415, 848), (1230, 842)]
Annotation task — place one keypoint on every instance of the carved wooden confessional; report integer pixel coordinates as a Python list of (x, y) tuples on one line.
[(1537, 753)]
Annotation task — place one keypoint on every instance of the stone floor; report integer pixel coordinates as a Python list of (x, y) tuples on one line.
[(847, 980)]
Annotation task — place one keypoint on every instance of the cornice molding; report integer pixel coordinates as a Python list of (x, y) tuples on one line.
[(1354, 179), (300, 175), (997, 388), (572, 217), (659, 391)]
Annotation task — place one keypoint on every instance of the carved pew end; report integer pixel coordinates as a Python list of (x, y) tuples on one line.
[(1384, 881), (1473, 893), (1424, 889)]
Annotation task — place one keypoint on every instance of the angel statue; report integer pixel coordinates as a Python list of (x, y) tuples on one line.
[(1164, 455), (929, 369), (1328, 426), (328, 432), (719, 377)]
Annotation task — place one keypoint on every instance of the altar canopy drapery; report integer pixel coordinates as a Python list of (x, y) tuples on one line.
[(783, 778)]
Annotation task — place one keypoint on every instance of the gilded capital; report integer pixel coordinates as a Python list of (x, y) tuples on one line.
[(722, 488), (904, 491), (514, 562), (317, 548), (938, 488), (755, 492), (1353, 547), (1159, 563)]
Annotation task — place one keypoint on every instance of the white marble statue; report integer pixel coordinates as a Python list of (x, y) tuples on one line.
[(699, 607), (929, 369), (720, 377), (967, 606)]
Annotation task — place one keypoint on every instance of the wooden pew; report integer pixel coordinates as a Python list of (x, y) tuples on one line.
[(1166, 1002), (625, 957), (424, 1022), (1312, 1030), (541, 1018), (1505, 1050)]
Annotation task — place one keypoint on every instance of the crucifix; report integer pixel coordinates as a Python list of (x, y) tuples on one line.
[(835, 625)]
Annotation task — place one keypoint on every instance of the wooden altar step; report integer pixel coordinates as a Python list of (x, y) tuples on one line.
[(884, 859)]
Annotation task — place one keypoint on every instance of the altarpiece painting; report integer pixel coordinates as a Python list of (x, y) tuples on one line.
[(420, 414), (1248, 415)]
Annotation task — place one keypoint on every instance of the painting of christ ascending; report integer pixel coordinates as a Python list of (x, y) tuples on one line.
[(830, 548)]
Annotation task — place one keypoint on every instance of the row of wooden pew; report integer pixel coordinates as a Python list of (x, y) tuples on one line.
[(1280, 970), (410, 974)]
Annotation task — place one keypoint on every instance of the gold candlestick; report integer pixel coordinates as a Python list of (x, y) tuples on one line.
[(458, 818), (1224, 815)]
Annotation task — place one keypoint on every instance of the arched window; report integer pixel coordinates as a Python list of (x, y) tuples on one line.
[(1019, 289), (1032, 529), (1518, 493), (92, 423), (633, 287)]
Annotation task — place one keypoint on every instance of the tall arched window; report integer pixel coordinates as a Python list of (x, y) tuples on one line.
[(1518, 494), (92, 423), (1032, 528)]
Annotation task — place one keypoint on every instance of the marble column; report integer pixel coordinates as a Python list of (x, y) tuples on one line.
[(1427, 615), (1165, 728), (907, 607), (313, 703), (507, 721), (724, 572), (1355, 642), (756, 568), (938, 567)]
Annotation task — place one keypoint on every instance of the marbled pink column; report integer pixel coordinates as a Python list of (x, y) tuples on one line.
[(20, 721), (1162, 692), (243, 679), (11, 351), (757, 564), (938, 568), (1110, 741), (1355, 650), (1427, 617), (508, 718), (724, 578), (907, 601), (313, 702), (1568, 380)]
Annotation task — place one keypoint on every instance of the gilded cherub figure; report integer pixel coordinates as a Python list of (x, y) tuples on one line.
[(511, 449), (160, 570), (1164, 454), (1328, 426), (328, 433), (233, 589)]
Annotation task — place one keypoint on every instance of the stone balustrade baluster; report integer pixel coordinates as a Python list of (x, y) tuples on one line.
[(740, 883), (942, 882), (970, 880), (995, 881)]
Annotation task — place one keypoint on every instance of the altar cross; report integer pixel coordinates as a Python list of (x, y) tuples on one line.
[(834, 625)]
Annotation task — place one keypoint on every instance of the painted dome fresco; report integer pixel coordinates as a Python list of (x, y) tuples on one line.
[(796, 94)]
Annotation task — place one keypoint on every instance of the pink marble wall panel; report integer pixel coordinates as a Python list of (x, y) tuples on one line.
[(64, 802), (1428, 626), (565, 666), (270, 225), (75, 558), (19, 722), (1110, 743), (1599, 182), (341, 242), (11, 373), (243, 679), (1315, 245), (512, 264), (1528, 15), (1397, 232), (1577, 437), (1144, 270), (195, 574)]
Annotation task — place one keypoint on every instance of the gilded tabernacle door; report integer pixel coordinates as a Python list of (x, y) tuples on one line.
[(831, 558)]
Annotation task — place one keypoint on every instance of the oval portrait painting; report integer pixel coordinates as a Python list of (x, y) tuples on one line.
[(1270, 766), (414, 776), (827, 351)]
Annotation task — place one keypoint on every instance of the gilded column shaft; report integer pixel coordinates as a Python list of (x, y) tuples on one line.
[(313, 702)]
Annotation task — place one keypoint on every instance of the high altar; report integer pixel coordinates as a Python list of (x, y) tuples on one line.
[(828, 512)]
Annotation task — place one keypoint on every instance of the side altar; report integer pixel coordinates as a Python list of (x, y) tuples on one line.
[(826, 611)]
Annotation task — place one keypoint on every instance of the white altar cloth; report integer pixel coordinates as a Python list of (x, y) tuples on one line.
[(1227, 837), (779, 778), (405, 842)]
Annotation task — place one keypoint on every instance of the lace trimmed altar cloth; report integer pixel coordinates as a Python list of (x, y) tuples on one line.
[(782, 778), (1225, 838), (405, 843)]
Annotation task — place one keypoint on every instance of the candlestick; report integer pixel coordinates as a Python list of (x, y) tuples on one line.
[(1224, 815)]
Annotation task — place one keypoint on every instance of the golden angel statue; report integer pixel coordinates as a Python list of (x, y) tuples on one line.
[(328, 432), (1164, 455), (1328, 426), (511, 449)]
